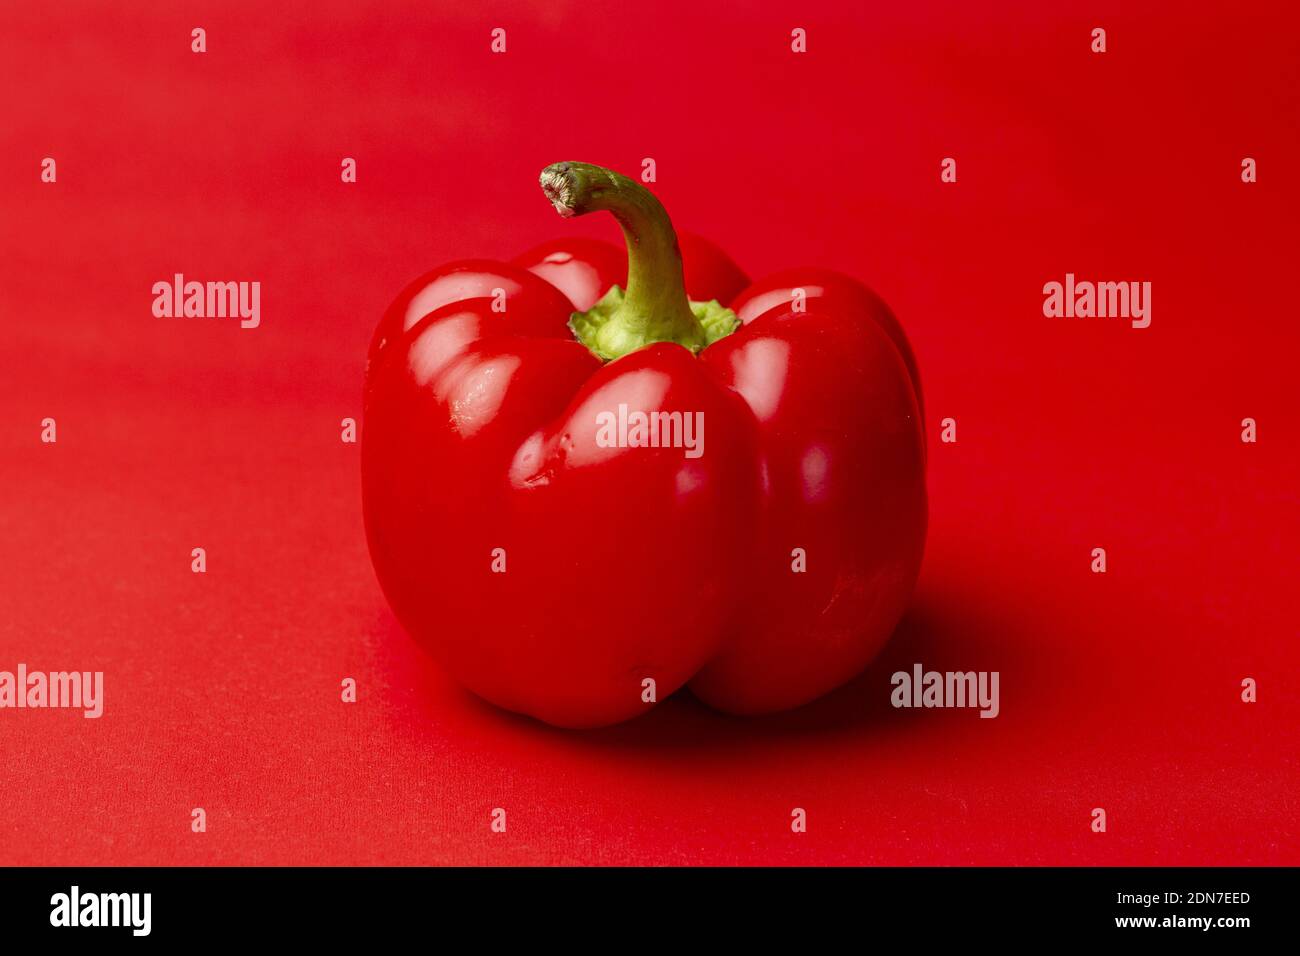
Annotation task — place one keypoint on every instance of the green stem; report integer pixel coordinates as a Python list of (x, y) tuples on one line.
[(655, 307)]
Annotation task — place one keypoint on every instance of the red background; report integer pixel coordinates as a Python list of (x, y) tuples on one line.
[(1119, 690)]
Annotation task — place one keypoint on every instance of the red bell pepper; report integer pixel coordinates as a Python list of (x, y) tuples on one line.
[(580, 512)]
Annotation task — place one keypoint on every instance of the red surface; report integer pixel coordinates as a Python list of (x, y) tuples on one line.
[(222, 690)]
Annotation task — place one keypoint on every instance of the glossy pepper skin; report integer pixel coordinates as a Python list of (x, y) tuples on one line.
[(553, 572)]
